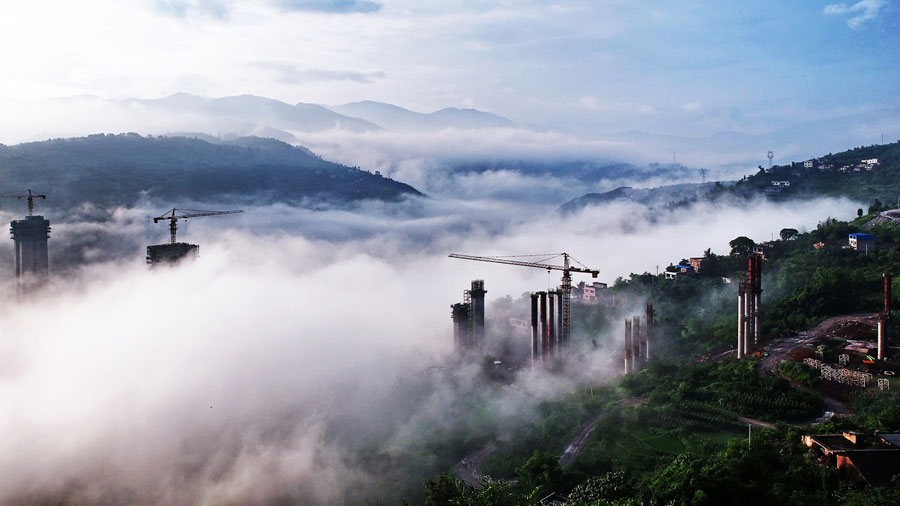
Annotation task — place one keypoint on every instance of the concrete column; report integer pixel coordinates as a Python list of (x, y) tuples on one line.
[(545, 337), (535, 339), (629, 343), (748, 329), (648, 324), (639, 340), (627, 346), (756, 338), (740, 324), (554, 337)]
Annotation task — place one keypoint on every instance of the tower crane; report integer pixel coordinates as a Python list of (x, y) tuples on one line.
[(26, 194), (566, 269), (182, 214)]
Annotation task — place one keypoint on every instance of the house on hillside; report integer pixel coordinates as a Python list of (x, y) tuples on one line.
[(862, 242), (764, 250), (696, 262), (595, 293), (870, 460)]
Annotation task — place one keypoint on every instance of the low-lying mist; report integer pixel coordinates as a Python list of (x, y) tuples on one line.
[(305, 356)]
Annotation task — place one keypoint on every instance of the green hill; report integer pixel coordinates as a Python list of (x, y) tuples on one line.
[(843, 174), (119, 169)]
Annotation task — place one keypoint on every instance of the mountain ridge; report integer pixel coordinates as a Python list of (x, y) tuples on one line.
[(120, 169)]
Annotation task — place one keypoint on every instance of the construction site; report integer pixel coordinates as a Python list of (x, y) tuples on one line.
[(31, 235), (174, 251), (550, 312)]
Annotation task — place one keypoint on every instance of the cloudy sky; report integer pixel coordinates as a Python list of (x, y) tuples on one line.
[(604, 66)]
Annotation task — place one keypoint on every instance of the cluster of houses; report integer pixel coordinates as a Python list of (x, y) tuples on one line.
[(820, 164), (865, 165)]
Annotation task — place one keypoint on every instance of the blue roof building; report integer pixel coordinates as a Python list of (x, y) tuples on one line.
[(862, 242)]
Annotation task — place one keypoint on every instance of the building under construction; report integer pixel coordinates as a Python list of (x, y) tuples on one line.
[(32, 257), (749, 292), (32, 264), (468, 319), (168, 254), (637, 341), (163, 254), (549, 333)]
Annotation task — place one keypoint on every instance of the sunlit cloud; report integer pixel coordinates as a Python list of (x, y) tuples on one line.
[(860, 12)]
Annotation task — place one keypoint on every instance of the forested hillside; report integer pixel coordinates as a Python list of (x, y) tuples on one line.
[(864, 173), (119, 169)]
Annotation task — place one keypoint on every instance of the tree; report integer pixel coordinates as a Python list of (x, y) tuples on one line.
[(608, 487), (541, 471), (788, 233), (741, 246), (443, 490), (876, 207), (447, 489), (859, 213)]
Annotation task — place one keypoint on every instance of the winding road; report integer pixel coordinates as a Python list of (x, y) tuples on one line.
[(469, 468)]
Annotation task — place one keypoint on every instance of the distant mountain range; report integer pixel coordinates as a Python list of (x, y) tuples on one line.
[(120, 169), (329, 128), (392, 117), (259, 110), (245, 115)]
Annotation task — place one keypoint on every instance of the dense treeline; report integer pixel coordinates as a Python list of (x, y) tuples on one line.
[(806, 278)]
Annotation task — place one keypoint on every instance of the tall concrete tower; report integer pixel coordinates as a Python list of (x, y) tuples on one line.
[(477, 293), (32, 260)]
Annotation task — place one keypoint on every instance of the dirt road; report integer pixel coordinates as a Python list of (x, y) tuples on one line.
[(578, 442), (469, 468)]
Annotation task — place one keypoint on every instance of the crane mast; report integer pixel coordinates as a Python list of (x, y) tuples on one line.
[(566, 287), (182, 214)]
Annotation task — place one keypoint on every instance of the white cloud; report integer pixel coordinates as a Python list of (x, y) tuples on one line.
[(245, 376), (862, 11), (692, 106)]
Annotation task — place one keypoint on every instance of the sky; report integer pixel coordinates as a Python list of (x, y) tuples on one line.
[(691, 68)]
